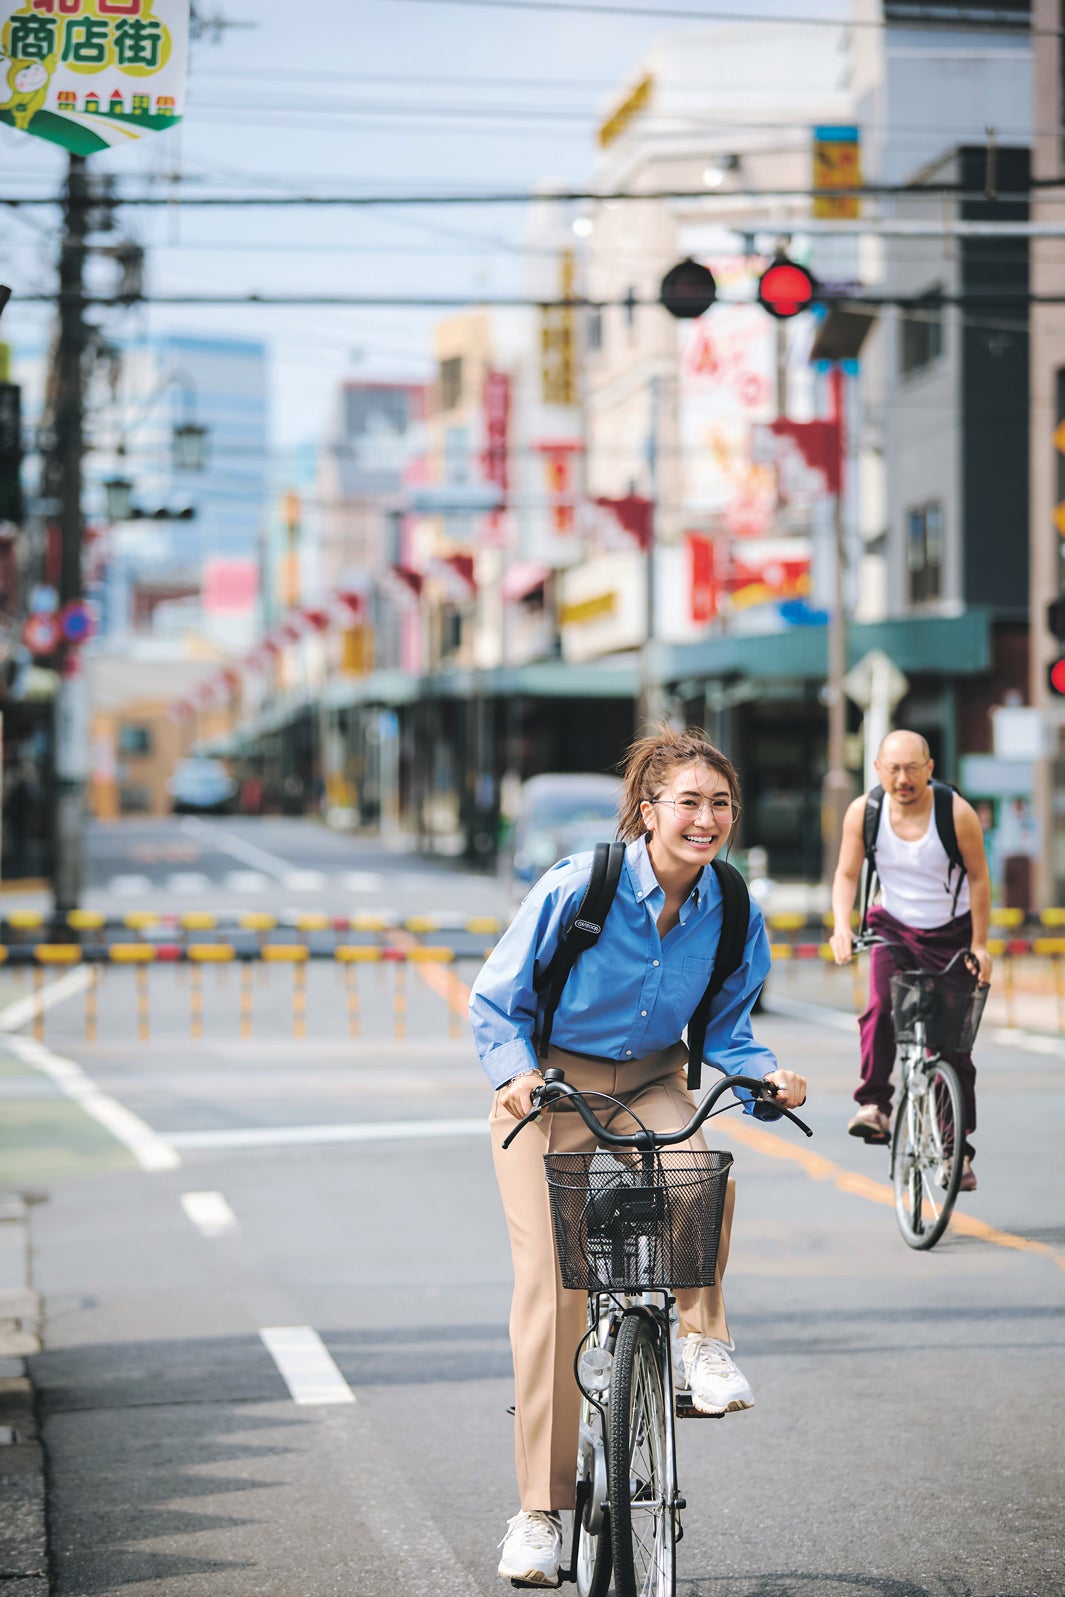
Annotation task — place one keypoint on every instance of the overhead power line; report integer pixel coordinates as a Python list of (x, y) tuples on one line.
[(990, 22), (991, 300), (563, 196)]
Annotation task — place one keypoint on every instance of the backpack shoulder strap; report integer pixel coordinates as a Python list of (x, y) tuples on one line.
[(943, 802), (583, 930), (735, 923), (874, 803)]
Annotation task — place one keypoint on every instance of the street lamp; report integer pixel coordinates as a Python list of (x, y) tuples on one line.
[(190, 446), (119, 500)]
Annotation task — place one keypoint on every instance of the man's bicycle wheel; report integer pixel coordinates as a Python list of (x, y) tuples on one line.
[(642, 1508), (927, 1150)]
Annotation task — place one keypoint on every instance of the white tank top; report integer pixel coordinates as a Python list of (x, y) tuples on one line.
[(916, 881)]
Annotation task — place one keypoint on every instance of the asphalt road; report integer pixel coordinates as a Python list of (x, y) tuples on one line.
[(906, 1440)]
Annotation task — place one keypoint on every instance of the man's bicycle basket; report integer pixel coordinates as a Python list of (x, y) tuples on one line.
[(619, 1223), (949, 1006)]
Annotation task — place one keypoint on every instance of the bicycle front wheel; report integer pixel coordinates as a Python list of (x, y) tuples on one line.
[(927, 1149), (642, 1509)]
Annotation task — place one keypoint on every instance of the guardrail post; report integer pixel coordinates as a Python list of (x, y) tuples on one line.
[(195, 1002), (38, 1003), (399, 999), (247, 998), (91, 1002), (143, 1001), (299, 999), (351, 994)]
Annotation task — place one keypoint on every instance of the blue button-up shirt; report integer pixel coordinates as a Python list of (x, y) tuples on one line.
[(631, 993)]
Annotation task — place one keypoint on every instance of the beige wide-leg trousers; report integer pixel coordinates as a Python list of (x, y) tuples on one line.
[(546, 1320)]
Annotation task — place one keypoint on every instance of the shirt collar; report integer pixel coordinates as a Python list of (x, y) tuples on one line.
[(646, 883)]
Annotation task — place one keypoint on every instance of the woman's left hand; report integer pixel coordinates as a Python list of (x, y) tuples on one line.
[(791, 1089)]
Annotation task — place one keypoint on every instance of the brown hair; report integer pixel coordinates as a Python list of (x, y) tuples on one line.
[(652, 760)]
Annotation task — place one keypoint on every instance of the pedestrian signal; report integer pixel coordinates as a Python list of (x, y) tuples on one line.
[(785, 288)]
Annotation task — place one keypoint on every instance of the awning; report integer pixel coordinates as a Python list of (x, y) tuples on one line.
[(522, 578)]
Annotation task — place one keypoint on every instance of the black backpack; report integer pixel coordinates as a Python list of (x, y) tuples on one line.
[(587, 925), (943, 810)]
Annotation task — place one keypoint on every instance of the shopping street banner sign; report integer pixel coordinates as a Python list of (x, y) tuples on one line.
[(91, 74)]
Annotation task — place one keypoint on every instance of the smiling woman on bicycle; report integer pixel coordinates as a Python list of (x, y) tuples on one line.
[(617, 1030)]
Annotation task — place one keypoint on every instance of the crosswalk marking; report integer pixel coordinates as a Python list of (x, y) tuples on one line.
[(209, 1213), (246, 882), (362, 882), (304, 881), (186, 882), (130, 886), (306, 1366)]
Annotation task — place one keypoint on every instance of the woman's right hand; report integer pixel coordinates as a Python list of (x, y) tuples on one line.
[(516, 1096), (842, 945)]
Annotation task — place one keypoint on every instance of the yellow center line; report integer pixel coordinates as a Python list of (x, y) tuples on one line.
[(815, 1165), (818, 1168)]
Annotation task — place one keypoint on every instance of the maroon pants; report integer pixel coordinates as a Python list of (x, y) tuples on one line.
[(929, 950)]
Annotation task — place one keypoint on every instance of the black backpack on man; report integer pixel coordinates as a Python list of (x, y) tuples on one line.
[(587, 924), (943, 810)]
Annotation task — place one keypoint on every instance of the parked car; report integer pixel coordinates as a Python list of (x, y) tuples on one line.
[(199, 786), (559, 814)]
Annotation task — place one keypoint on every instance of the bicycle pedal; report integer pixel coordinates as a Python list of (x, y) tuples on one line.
[(685, 1409), (538, 1585)]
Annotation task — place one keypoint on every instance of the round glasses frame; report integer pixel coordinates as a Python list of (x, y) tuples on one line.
[(685, 809)]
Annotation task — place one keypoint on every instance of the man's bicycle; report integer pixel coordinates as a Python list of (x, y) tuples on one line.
[(632, 1219), (935, 1013)]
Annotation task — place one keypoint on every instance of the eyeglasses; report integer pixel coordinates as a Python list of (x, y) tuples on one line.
[(905, 770), (689, 809)]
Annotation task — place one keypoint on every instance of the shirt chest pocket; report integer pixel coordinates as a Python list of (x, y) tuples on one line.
[(684, 981)]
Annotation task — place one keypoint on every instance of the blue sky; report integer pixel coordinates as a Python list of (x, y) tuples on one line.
[(363, 95)]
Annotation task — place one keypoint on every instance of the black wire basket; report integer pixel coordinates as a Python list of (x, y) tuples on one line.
[(948, 1005), (620, 1223)]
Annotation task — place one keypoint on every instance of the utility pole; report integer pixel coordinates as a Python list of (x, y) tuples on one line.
[(652, 705), (837, 791), (64, 475)]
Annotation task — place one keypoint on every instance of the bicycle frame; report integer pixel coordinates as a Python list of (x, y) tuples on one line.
[(611, 1311), (917, 1138)]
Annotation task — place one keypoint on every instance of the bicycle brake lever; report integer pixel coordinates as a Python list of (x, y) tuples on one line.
[(808, 1130), (526, 1120)]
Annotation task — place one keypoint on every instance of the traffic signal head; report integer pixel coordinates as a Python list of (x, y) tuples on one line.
[(785, 288), (688, 290), (1056, 618), (1056, 677)]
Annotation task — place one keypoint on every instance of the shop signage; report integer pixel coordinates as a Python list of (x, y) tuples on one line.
[(91, 74)]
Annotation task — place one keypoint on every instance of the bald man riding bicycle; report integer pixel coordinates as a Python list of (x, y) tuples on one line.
[(925, 906)]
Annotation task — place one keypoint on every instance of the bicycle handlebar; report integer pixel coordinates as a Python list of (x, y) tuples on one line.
[(867, 940), (556, 1087)]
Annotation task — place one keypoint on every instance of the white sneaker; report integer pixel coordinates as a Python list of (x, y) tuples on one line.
[(716, 1385), (532, 1548)]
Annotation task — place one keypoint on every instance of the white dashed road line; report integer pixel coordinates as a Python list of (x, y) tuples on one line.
[(306, 1366), (209, 1213), (295, 1136)]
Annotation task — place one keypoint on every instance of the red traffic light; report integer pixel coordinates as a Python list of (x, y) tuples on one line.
[(1056, 677), (785, 289)]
